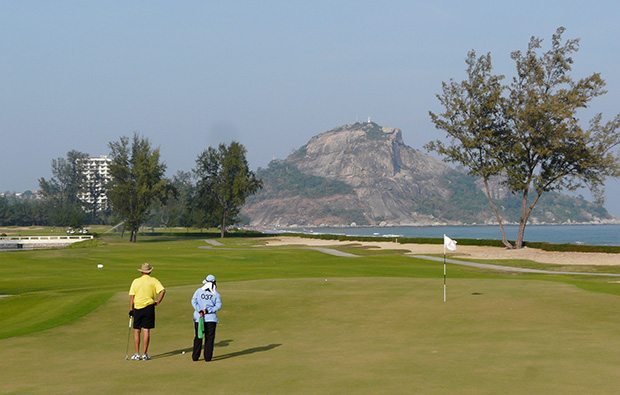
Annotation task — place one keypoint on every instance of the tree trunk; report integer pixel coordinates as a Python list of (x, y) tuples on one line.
[(521, 233), (526, 211), (499, 219), (523, 219), (223, 225)]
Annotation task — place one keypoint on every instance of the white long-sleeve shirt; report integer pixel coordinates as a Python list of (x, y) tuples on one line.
[(206, 300)]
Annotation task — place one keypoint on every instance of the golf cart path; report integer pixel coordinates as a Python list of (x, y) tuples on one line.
[(328, 251), (508, 268), (333, 252)]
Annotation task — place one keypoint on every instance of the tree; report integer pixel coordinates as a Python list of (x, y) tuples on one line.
[(224, 182), (137, 180), (474, 123), (61, 192), (5, 212), (177, 209), (538, 144)]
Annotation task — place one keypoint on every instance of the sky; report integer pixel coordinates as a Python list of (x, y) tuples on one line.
[(76, 75)]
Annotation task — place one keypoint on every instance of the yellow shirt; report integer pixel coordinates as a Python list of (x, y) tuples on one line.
[(145, 289)]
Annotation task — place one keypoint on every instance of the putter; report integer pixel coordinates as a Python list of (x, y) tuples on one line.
[(128, 336)]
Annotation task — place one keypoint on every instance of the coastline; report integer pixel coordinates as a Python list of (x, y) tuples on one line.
[(387, 224), (582, 234), (467, 252)]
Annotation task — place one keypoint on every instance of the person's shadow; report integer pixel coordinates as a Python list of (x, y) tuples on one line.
[(246, 352), (222, 343)]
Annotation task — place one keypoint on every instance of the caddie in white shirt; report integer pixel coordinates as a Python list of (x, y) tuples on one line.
[(206, 302)]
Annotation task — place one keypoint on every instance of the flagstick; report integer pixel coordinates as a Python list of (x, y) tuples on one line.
[(444, 272)]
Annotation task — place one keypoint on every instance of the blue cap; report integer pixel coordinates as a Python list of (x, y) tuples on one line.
[(211, 278)]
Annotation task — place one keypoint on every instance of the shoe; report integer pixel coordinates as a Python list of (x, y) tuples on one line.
[(136, 357), (145, 357)]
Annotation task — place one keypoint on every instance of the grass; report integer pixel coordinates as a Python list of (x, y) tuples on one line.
[(45, 230), (377, 325), (547, 266)]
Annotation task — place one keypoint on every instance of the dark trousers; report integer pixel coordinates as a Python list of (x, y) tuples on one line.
[(209, 338)]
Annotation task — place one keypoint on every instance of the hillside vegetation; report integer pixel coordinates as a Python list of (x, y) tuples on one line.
[(364, 174)]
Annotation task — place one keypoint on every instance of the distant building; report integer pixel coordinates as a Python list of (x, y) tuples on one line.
[(32, 195), (97, 176), (27, 195)]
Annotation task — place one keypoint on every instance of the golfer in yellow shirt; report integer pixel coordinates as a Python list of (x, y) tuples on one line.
[(145, 293)]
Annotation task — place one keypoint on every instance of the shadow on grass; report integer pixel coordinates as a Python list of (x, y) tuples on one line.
[(246, 352), (172, 353), (221, 343)]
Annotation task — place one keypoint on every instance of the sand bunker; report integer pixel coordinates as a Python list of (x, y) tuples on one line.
[(468, 252)]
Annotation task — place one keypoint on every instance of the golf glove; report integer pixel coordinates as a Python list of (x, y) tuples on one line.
[(131, 313)]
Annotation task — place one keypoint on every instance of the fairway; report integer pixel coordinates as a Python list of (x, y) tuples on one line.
[(302, 321), (343, 335)]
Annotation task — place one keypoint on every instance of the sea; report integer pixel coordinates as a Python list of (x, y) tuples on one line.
[(602, 235)]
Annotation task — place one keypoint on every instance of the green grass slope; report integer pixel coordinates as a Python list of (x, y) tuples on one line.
[(344, 335), (377, 325)]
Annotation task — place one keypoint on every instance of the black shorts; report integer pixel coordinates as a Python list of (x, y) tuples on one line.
[(144, 318)]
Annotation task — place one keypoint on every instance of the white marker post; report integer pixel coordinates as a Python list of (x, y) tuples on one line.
[(444, 274), (449, 244)]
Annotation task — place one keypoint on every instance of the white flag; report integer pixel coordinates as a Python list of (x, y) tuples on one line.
[(448, 243)]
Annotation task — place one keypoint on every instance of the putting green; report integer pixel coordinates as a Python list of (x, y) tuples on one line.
[(343, 335)]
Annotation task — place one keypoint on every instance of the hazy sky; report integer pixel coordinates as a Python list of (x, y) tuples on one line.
[(269, 74)]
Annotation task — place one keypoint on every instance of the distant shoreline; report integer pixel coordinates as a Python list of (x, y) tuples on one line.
[(615, 221), (580, 234)]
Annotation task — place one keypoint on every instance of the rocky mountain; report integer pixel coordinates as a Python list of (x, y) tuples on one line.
[(364, 174)]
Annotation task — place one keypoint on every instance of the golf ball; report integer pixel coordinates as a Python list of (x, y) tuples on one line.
[(183, 352)]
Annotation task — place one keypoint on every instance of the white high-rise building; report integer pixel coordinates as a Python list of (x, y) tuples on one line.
[(97, 176)]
